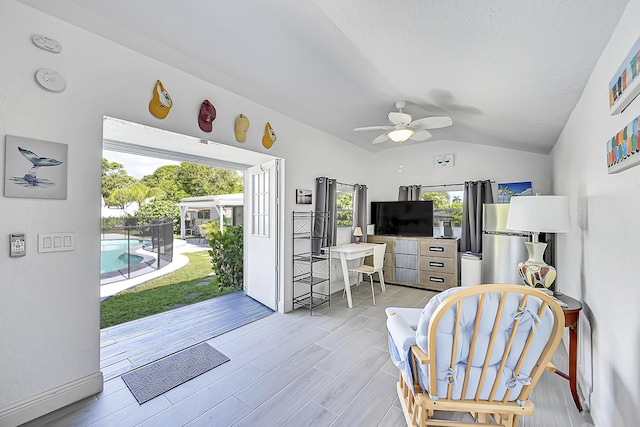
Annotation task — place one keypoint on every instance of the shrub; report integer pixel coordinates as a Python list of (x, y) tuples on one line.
[(227, 256), (159, 208)]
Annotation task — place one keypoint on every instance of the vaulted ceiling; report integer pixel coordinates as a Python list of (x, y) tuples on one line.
[(508, 73)]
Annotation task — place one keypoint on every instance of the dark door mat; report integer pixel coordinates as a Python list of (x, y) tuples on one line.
[(158, 377)]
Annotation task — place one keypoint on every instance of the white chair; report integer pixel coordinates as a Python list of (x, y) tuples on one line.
[(378, 260), (478, 350)]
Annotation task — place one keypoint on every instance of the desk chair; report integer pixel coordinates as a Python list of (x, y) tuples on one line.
[(477, 350), (378, 260)]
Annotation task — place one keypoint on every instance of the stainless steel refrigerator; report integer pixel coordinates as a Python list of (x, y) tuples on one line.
[(502, 249)]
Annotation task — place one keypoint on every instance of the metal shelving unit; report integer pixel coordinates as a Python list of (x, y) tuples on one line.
[(311, 265)]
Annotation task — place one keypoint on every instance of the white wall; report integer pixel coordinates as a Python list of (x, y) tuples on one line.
[(49, 303), (597, 260), (472, 162)]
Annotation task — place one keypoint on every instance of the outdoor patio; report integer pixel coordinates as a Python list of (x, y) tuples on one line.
[(130, 345)]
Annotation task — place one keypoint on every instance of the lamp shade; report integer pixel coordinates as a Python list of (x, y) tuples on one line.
[(400, 135), (357, 232), (539, 214)]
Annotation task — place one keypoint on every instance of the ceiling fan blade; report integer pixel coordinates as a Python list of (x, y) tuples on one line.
[(432, 122), (382, 138), (421, 135), (397, 118), (373, 128)]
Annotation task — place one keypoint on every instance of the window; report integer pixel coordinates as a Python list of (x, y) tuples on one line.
[(204, 214), (447, 206), (344, 205), (260, 204)]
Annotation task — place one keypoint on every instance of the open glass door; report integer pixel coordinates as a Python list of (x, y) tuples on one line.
[(261, 233)]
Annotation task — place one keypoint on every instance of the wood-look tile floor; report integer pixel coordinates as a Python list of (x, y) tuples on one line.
[(329, 369)]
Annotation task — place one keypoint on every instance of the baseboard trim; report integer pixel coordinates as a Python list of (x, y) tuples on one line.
[(50, 400)]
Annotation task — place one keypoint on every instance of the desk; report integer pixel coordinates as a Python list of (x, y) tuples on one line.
[(571, 314), (350, 252)]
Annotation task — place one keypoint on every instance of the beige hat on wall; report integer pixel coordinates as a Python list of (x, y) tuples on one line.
[(242, 125)]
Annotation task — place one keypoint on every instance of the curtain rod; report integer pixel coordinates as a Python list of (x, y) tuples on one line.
[(343, 183), (448, 185)]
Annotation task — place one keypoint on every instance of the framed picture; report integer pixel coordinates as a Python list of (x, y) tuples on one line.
[(510, 189), (303, 197), (35, 169), (622, 150), (625, 84)]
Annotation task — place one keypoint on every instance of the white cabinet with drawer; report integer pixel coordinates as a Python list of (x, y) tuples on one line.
[(422, 262), (439, 263)]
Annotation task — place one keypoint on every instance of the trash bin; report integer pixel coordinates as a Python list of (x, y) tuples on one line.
[(471, 269)]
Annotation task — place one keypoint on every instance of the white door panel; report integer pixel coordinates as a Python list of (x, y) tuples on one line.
[(261, 233)]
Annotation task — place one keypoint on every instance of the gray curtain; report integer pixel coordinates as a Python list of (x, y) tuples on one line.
[(360, 211), (324, 227), (476, 193), (409, 193)]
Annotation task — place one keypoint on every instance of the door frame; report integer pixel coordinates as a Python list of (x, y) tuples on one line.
[(128, 137)]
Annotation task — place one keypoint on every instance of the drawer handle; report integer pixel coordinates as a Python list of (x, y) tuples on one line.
[(436, 248), (436, 279), (436, 264)]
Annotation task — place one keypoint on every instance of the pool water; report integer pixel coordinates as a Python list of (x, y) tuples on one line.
[(113, 255)]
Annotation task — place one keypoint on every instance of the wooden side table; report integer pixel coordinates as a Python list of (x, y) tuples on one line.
[(571, 314)]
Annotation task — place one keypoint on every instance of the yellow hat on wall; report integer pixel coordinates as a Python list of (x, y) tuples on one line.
[(161, 102), (269, 136), (242, 125)]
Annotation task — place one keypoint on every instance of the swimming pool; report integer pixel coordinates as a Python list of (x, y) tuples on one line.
[(113, 254)]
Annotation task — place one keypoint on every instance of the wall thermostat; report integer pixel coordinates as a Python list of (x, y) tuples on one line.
[(18, 246)]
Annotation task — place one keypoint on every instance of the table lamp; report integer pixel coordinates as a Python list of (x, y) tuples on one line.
[(357, 233), (538, 214)]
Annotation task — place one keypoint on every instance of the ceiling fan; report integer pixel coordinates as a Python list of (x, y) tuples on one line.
[(404, 128)]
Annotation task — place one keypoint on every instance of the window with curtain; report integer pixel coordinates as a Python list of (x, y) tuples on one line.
[(447, 206), (344, 202)]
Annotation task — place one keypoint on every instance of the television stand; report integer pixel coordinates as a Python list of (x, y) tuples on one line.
[(421, 262)]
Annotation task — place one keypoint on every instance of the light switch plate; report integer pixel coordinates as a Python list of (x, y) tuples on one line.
[(56, 242), (443, 161)]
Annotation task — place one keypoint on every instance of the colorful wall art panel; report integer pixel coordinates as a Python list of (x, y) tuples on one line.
[(622, 149), (625, 84)]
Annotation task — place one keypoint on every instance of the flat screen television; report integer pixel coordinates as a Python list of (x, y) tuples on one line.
[(403, 218)]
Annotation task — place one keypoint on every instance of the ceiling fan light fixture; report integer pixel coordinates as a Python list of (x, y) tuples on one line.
[(400, 135)]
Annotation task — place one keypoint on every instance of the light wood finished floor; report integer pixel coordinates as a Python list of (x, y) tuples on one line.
[(329, 369)]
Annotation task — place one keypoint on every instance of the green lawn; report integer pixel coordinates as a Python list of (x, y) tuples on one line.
[(164, 293)]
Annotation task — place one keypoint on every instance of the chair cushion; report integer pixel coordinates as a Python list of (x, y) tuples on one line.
[(410, 315), (401, 333), (444, 343), (399, 344)]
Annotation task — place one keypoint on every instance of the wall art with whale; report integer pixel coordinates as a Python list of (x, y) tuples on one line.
[(35, 169)]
